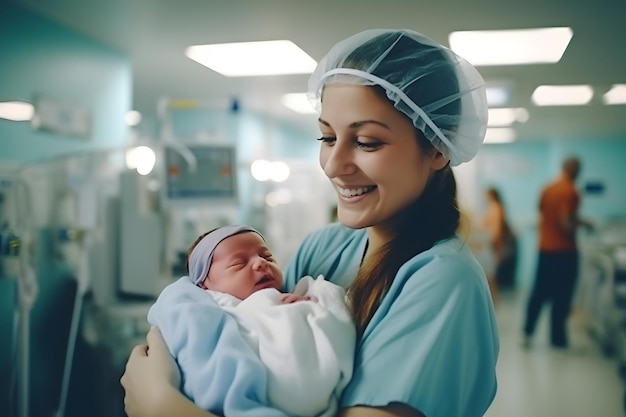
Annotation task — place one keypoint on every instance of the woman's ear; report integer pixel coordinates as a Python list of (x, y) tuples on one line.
[(439, 161)]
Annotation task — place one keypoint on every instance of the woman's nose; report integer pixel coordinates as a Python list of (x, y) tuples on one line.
[(336, 161)]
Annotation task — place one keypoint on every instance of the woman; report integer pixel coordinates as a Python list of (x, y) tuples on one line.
[(502, 242), (397, 110)]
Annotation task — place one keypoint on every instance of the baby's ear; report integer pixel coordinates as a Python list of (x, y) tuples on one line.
[(202, 284)]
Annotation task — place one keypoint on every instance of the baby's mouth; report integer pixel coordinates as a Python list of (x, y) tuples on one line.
[(266, 280)]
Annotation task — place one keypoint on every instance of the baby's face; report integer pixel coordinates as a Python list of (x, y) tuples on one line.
[(242, 264)]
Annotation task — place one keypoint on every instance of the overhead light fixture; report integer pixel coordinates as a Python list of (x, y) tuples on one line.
[(262, 170), (141, 158), (298, 102), (278, 197), (500, 135), (511, 47), (616, 95), (562, 95), (16, 111), (245, 59), (133, 118), (497, 96), (506, 116)]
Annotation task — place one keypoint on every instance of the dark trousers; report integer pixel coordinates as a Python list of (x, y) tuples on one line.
[(557, 273)]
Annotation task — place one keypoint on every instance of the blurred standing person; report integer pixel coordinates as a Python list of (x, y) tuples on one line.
[(557, 268), (502, 243)]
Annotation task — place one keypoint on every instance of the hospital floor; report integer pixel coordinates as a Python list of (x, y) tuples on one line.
[(540, 381)]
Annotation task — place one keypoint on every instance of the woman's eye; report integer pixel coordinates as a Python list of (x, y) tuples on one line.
[(328, 140), (369, 145)]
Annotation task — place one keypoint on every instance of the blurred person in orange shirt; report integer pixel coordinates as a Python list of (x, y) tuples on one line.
[(557, 268)]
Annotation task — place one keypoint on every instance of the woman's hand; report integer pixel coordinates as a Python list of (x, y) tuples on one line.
[(150, 373)]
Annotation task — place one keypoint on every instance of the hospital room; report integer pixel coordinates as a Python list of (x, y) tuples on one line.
[(140, 139)]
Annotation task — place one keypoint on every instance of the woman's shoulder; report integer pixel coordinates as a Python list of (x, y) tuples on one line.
[(450, 261), (333, 238), (334, 251)]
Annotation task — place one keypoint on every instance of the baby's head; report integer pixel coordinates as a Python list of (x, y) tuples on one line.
[(233, 260)]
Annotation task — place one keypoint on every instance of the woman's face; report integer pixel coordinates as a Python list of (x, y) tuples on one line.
[(241, 265), (371, 155)]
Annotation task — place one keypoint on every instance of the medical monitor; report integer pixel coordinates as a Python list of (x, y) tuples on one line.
[(200, 173)]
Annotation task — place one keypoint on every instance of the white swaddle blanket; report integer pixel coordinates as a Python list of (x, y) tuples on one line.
[(307, 348)]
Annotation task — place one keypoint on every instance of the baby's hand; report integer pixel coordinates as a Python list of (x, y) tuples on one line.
[(289, 298)]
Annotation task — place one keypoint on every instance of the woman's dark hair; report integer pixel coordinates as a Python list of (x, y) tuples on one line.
[(435, 214)]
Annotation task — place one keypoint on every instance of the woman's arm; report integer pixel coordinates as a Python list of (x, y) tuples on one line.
[(151, 381)]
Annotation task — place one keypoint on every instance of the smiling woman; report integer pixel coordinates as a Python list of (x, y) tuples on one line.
[(396, 111)]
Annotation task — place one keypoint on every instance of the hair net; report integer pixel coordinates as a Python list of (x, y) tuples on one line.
[(443, 94), (202, 255)]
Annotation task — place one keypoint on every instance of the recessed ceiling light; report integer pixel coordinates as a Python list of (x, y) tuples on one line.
[(244, 59), (17, 111), (497, 96), (511, 47), (562, 95), (506, 116), (298, 102), (500, 135), (616, 95), (133, 117)]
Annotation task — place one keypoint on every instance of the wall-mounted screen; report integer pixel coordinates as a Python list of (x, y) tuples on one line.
[(213, 177)]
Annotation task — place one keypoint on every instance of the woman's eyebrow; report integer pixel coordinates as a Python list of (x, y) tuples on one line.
[(366, 122), (358, 124)]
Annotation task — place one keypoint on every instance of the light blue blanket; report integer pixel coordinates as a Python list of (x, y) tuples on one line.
[(228, 378)]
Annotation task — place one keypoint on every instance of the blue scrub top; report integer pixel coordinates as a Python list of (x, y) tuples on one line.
[(432, 343)]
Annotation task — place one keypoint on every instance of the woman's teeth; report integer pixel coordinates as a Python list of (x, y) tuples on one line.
[(353, 192)]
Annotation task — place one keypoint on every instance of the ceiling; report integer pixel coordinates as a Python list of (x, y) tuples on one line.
[(154, 34)]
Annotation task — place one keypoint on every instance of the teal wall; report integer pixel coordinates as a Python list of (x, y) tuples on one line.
[(254, 135), (41, 58)]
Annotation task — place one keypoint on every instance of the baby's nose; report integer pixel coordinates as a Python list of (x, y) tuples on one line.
[(260, 263)]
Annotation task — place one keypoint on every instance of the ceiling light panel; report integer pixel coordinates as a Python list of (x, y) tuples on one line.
[(507, 116), (616, 95), (245, 59), (500, 135), (562, 95), (511, 47), (16, 111), (298, 102), (497, 96)]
